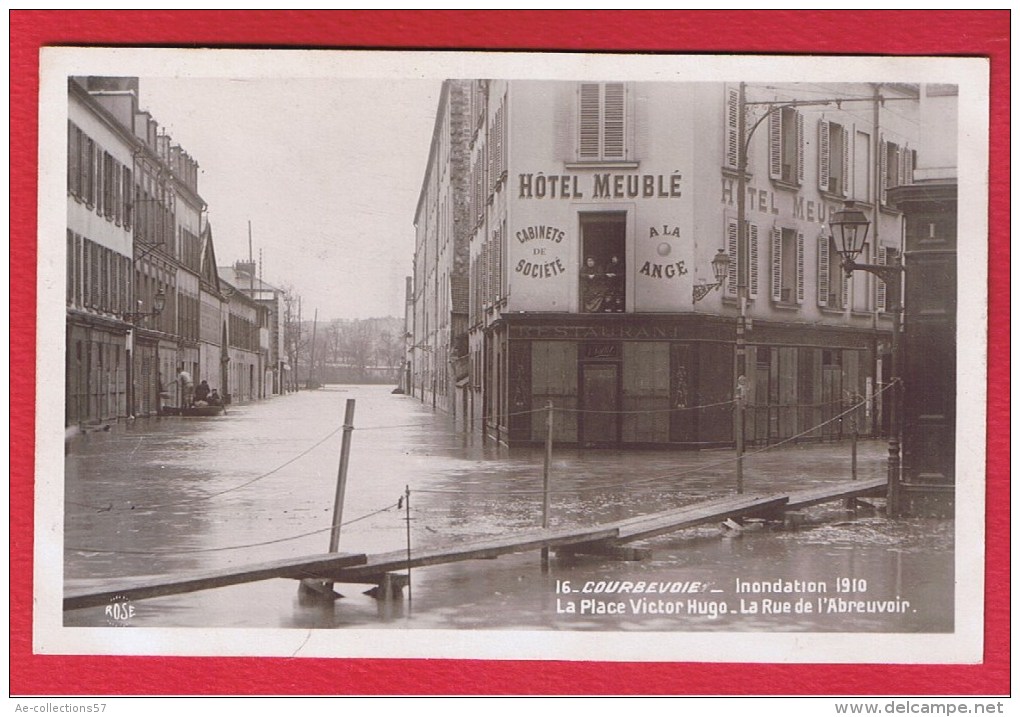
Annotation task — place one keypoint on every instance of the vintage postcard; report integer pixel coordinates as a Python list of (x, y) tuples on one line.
[(511, 356)]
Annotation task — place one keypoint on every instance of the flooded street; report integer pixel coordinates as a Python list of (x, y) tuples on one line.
[(170, 495)]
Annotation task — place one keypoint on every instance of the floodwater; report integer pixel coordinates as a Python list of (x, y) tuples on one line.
[(170, 495)]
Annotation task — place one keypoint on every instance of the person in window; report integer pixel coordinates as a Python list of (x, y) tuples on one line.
[(614, 285), (593, 287)]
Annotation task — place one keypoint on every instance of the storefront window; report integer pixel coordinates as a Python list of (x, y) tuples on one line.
[(603, 279)]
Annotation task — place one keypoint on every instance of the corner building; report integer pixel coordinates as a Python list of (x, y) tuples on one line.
[(596, 208)]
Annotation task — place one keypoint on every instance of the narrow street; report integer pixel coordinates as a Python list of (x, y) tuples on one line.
[(169, 495)]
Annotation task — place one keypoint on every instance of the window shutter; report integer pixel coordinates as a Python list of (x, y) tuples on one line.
[(752, 252), (776, 144), (72, 159), (800, 147), (844, 299), (615, 121), (902, 157), (823, 270), (883, 170), (880, 296), (800, 267), (732, 125), (70, 267), (823, 155), (731, 249), (844, 179), (777, 264), (129, 197), (588, 121)]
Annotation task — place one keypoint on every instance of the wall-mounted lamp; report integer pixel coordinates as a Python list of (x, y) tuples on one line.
[(158, 304), (720, 269)]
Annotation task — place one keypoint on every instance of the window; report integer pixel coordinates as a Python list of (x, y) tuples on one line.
[(885, 256), (832, 283), (603, 281), (733, 280), (897, 167), (786, 145), (602, 122), (833, 158), (787, 266)]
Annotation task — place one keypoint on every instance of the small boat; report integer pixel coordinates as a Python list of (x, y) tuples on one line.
[(213, 410)]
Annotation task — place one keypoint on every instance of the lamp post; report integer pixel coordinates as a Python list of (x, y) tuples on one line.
[(849, 231)]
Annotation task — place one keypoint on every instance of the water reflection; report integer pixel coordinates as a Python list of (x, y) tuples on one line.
[(168, 495)]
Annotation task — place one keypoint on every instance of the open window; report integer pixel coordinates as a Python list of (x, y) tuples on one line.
[(603, 276)]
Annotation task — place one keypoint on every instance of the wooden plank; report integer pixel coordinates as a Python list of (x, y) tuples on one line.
[(690, 516), (316, 566), (475, 550), (837, 491)]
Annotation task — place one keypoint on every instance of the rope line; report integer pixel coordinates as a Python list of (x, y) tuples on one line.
[(229, 547), (671, 474), (207, 496)]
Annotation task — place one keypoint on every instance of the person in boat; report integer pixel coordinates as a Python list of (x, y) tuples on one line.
[(202, 391), (214, 398), (186, 386)]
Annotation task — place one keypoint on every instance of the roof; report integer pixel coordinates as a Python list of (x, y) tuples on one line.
[(243, 280)]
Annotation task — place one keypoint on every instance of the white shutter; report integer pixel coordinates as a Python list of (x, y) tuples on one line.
[(777, 264), (845, 289), (614, 146), (800, 147), (731, 249), (776, 143), (882, 260), (823, 270), (844, 179), (732, 125), (823, 155), (800, 267), (588, 121), (752, 253)]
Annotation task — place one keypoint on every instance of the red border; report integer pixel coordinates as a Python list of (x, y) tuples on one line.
[(974, 33)]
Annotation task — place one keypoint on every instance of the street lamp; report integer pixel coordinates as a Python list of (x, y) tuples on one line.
[(158, 304), (849, 230), (720, 268)]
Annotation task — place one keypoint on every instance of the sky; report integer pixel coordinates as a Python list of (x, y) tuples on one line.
[(328, 172)]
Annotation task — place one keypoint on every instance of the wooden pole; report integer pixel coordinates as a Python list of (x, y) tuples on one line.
[(545, 477), (407, 520), (341, 479)]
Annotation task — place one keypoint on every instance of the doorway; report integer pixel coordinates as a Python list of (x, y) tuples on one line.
[(600, 405)]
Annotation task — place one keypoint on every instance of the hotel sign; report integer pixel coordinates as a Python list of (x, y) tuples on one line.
[(605, 185)]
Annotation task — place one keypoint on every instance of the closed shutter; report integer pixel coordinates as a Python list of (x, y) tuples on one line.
[(588, 121), (823, 155), (90, 173), (128, 194), (752, 252), (776, 143), (777, 264), (731, 249), (844, 300), (800, 267), (732, 125), (823, 270), (73, 159), (70, 267), (883, 170), (844, 179), (615, 121), (800, 147), (880, 290)]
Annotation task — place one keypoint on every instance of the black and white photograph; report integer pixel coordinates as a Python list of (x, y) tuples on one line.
[(511, 355)]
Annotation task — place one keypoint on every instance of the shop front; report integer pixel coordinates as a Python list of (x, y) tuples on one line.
[(655, 380)]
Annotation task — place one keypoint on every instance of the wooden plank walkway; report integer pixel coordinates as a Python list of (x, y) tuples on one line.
[(315, 566), (359, 568), (849, 489), (669, 521), (517, 542)]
